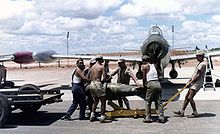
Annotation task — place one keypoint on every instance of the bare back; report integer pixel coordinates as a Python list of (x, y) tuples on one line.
[(96, 72)]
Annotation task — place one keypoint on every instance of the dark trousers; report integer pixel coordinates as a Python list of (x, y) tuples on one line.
[(79, 98), (89, 100)]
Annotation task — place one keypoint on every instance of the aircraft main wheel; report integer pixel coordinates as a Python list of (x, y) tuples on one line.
[(30, 108), (4, 109), (139, 75), (173, 74)]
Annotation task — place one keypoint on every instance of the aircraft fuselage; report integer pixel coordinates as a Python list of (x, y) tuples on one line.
[(157, 48)]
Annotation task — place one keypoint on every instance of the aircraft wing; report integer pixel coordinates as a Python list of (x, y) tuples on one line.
[(182, 57), (135, 58), (108, 58), (193, 56)]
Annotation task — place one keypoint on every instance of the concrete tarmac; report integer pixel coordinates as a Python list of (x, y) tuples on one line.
[(47, 119)]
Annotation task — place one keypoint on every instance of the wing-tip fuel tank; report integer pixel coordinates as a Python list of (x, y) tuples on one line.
[(27, 57), (23, 57), (44, 56)]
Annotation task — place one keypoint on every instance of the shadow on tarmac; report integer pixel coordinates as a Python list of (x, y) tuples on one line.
[(170, 89), (40, 118), (201, 115)]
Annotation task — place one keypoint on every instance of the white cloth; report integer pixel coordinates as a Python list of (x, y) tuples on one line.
[(76, 79), (202, 67), (152, 74)]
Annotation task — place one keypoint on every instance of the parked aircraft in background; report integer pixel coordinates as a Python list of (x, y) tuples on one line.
[(155, 46)]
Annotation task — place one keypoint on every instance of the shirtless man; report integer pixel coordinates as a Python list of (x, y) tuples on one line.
[(124, 75), (97, 75)]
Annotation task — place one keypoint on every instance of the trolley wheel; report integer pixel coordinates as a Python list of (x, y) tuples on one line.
[(29, 89), (136, 116), (30, 108), (4, 109), (10, 84)]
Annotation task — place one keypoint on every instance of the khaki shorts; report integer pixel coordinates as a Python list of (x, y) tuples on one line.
[(196, 87), (96, 89)]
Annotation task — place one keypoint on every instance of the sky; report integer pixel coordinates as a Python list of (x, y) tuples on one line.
[(97, 26)]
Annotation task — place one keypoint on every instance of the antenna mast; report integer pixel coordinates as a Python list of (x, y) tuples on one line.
[(173, 36)]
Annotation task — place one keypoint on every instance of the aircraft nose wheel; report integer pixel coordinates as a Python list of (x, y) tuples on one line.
[(173, 74)]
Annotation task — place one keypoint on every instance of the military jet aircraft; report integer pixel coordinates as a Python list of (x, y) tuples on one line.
[(155, 46)]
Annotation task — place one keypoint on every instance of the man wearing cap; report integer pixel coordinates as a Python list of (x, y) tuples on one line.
[(92, 61), (78, 91), (124, 75), (196, 80), (153, 90), (97, 75)]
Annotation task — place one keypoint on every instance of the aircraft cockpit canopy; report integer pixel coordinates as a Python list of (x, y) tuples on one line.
[(155, 30)]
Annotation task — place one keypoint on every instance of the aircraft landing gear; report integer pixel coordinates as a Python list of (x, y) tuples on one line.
[(173, 74), (139, 75)]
